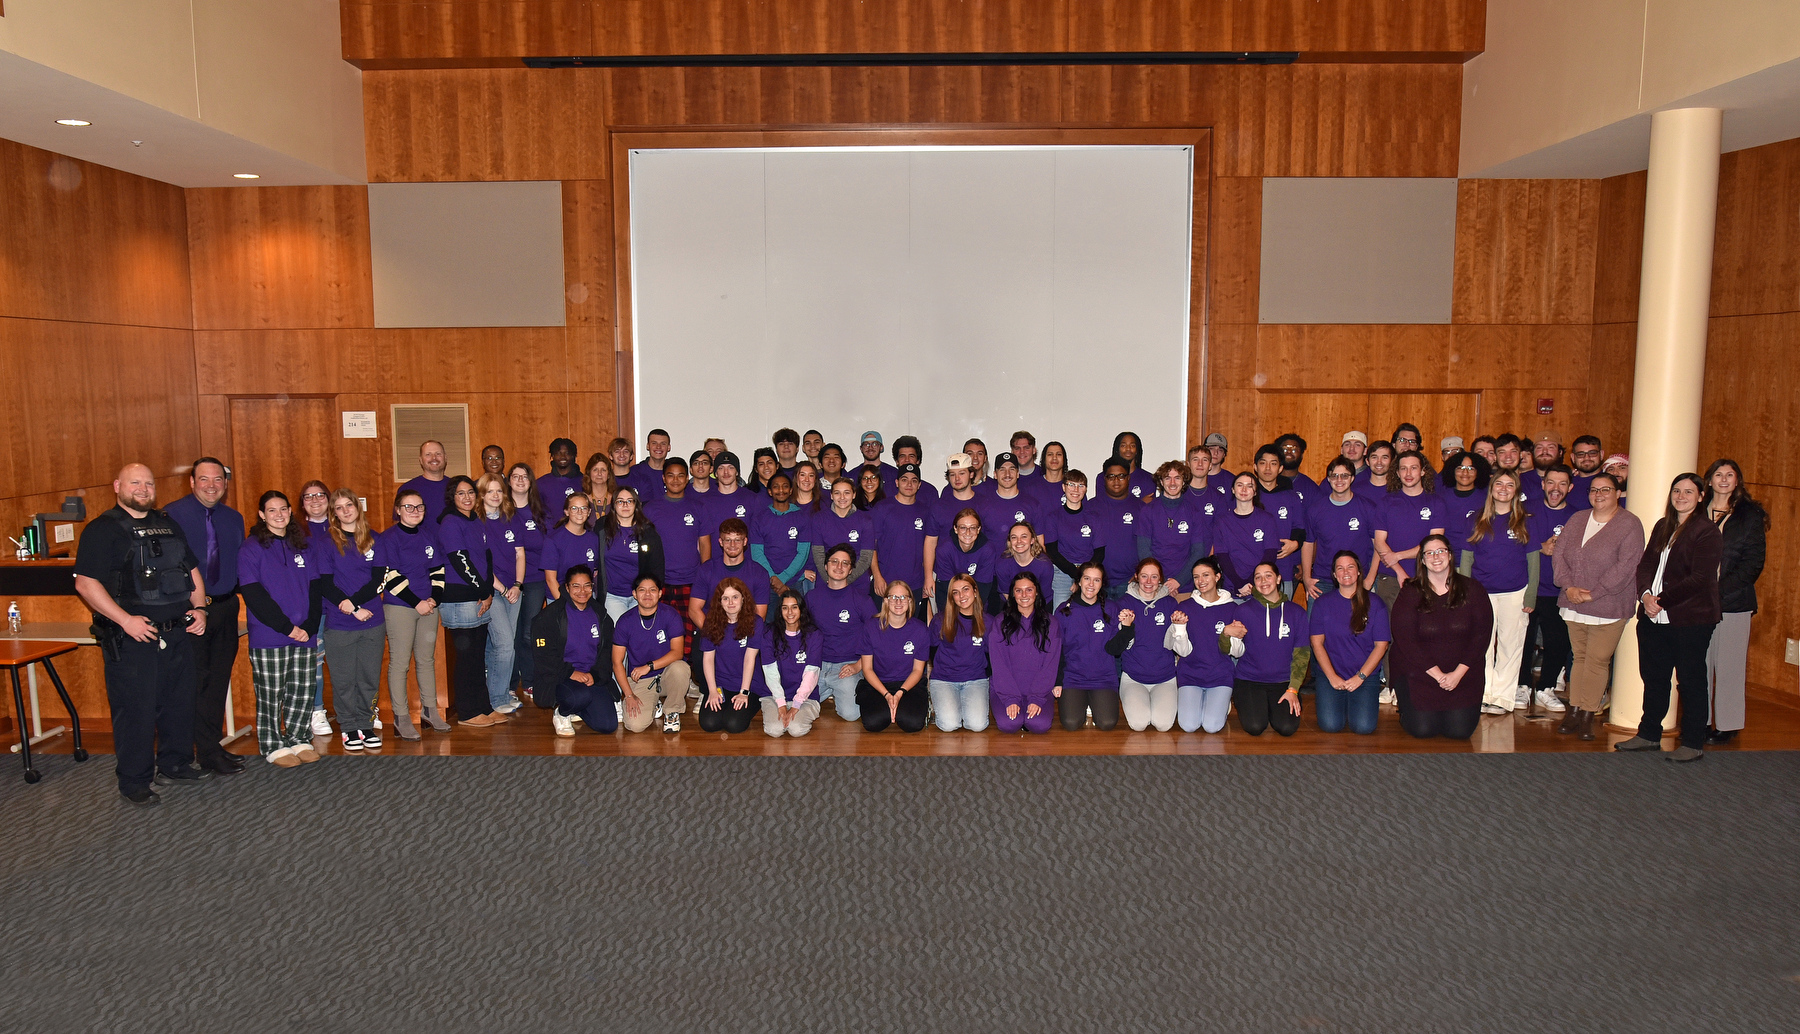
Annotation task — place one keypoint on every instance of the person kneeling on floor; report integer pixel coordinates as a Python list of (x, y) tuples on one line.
[(572, 643), (795, 649)]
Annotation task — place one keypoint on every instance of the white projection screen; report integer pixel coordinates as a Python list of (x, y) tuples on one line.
[(944, 292)]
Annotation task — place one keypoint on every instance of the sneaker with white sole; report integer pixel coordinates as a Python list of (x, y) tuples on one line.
[(1494, 709), (1548, 700), (372, 738), (513, 699), (1522, 698), (507, 708), (352, 740), (562, 725), (321, 724), (672, 721), (1388, 697)]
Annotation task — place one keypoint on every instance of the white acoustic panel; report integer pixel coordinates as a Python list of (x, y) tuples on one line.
[(467, 254), (947, 293), (1347, 250)]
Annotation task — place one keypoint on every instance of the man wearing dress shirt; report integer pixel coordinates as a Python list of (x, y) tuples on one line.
[(214, 533)]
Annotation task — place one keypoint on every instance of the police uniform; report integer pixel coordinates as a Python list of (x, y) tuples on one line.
[(146, 567)]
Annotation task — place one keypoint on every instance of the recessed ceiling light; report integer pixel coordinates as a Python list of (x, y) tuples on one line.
[(245, 176), (73, 122)]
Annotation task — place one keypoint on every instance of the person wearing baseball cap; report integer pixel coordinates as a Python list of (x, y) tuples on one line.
[(1449, 446), (940, 525), (871, 453), (1355, 448), (730, 500), (1007, 503), (1217, 477), (900, 539)]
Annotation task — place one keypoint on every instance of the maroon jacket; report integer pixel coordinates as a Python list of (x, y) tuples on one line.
[(1691, 579)]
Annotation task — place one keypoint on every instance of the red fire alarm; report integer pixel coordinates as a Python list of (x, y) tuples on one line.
[(1546, 407)]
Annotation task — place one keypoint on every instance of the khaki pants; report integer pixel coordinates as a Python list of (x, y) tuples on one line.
[(669, 685), (1592, 647)]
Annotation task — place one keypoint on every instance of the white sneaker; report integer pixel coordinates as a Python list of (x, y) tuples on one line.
[(562, 725), (513, 699), (321, 725), (1389, 697), (1547, 700), (1522, 699), (575, 719), (1494, 709), (507, 708)]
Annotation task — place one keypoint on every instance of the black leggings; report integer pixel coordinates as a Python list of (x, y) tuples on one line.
[(1456, 724), (915, 707), (1075, 703), (469, 693), (727, 718), (1259, 707), (1545, 618)]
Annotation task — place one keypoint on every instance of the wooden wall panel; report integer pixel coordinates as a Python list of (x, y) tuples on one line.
[(1777, 592), (1371, 357), (294, 441), (1319, 417), (1542, 356), (1437, 415), (1612, 372), (405, 33), (1525, 251), (281, 257), (83, 242), (1752, 412), (1515, 411), (1619, 259), (511, 124), (1756, 249), (1236, 253)]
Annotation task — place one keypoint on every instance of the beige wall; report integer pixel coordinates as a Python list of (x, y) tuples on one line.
[(267, 71), (1555, 70)]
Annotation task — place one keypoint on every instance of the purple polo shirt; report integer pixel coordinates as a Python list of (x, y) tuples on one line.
[(647, 639), (963, 659), (893, 650), (680, 523), (287, 577), (1407, 519)]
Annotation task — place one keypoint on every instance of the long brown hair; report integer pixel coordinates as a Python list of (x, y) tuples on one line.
[(363, 537), (487, 481), (1359, 602), (714, 629), (1459, 585), (1671, 519), (977, 627), (1515, 521)]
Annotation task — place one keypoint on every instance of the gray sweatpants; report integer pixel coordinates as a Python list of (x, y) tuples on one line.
[(354, 658), (1726, 658), (412, 638)]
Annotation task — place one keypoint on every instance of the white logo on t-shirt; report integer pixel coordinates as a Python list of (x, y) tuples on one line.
[(1425, 512), (1086, 532), (1257, 534), (740, 511), (1099, 625), (530, 525), (369, 554), (1130, 517), (567, 492), (1556, 531), (1209, 509), (1162, 619), (1182, 527), (1355, 523), (594, 632), (662, 636), (299, 561), (793, 533), (843, 617), (1018, 516), (975, 640), (1281, 511), (590, 554), (971, 568), (855, 535), (1218, 628), (744, 642), (634, 546), (509, 535), (1138, 491), (687, 519), (918, 524), (430, 552), (800, 656), (908, 648)]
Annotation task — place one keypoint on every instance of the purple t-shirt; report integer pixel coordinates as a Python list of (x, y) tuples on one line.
[(431, 493), (1117, 527), (781, 535), (1221, 482), (893, 650), (1147, 660), (556, 489), (1373, 493), (741, 504), (941, 519), (1143, 484), (680, 523), (1546, 523), (1407, 519), (1243, 540), (647, 639), (1007, 567), (287, 577), (1077, 533), (1271, 636), (715, 571), (798, 653), (1460, 512), (350, 572), (1176, 530), (1578, 495), (582, 649), (647, 480), (843, 615), (728, 658), (1333, 527), (503, 542), (564, 549), (1086, 629), (1500, 564), (856, 530), (1330, 617), (998, 515), (963, 659), (528, 532), (1288, 507), (414, 553), (1206, 665), (900, 542), (977, 563), (622, 554)]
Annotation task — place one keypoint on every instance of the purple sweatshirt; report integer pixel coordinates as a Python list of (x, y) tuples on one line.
[(287, 577), (1023, 673), (1271, 635)]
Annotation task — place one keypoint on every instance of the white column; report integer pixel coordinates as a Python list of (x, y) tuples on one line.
[(1680, 208)]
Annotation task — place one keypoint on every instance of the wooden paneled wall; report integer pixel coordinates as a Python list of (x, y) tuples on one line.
[(423, 33)]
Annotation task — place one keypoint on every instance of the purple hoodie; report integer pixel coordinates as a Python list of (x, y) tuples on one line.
[(1023, 673), (1271, 636)]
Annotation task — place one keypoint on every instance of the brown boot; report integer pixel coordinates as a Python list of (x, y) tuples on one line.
[(1571, 718), (1584, 725)]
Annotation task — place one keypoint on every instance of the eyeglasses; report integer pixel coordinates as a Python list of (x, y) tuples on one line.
[(1406, 441), (901, 596), (1435, 552), (412, 507), (309, 498), (1117, 477), (968, 527), (1340, 476)]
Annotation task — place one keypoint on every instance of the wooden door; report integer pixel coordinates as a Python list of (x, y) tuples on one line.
[(281, 443)]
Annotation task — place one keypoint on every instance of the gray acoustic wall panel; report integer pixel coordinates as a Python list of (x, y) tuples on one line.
[(467, 254), (1348, 250)]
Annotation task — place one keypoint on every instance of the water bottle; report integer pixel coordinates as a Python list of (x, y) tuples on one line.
[(12, 618)]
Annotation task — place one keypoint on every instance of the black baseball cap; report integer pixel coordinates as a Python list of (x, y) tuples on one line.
[(1005, 458), (908, 468)]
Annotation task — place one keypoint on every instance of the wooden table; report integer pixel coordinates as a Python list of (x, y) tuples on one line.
[(23, 653)]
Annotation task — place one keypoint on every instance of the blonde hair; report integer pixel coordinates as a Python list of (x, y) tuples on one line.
[(897, 584), (1515, 522), (364, 538)]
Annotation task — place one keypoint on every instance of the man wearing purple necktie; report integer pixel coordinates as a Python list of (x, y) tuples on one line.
[(214, 532)]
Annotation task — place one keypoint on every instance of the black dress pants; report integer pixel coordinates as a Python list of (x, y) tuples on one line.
[(151, 692), (1558, 653), (1678, 650), (910, 716), (469, 694), (1073, 706), (214, 654), (1259, 707)]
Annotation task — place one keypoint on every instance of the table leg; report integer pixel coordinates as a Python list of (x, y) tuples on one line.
[(31, 775), (38, 733), (232, 732), (81, 753)]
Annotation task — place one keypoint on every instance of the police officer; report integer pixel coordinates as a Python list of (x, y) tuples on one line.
[(214, 533), (134, 571)]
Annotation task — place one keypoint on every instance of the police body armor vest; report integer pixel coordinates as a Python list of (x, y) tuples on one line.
[(153, 575)]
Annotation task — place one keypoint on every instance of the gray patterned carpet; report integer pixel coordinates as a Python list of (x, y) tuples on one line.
[(1380, 893)]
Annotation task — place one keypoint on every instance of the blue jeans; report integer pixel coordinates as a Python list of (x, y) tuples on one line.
[(1116, 592), (1202, 707), (617, 606), (842, 691), (1060, 586), (503, 625), (1358, 708), (960, 705), (531, 600), (461, 615)]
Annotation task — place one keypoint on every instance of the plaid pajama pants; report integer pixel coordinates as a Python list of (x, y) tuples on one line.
[(677, 596), (286, 677)]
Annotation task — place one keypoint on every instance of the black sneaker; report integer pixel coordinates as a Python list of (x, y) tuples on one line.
[(371, 738), (142, 798), (185, 774), (353, 740)]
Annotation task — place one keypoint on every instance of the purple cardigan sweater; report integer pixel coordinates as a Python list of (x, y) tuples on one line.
[(1606, 566)]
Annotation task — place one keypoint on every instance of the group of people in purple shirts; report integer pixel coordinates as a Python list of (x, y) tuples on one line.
[(1014, 596)]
